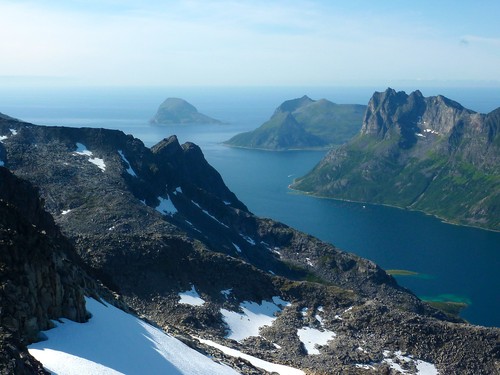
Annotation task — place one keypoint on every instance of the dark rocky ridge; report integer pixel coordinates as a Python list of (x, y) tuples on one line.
[(178, 111), (304, 123), (429, 154), (39, 277), (149, 257)]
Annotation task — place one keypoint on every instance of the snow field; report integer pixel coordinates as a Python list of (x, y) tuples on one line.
[(114, 342)]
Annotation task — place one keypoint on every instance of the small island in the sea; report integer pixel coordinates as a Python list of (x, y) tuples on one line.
[(179, 111), (304, 123)]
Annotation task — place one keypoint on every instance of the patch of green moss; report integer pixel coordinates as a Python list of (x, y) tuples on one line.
[(449, 307)]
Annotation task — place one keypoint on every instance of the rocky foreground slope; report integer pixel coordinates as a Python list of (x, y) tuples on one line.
[(429, 154), (159, 225)]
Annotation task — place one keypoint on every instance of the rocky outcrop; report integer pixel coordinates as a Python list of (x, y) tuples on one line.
[(153, 223), (178, 111), (39, 278), (429, 154), (304, 123)]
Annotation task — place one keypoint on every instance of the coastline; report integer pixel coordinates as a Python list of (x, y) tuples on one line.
[(442, 219)]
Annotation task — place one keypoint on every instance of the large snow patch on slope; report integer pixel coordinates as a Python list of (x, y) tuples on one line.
[(114, 342)]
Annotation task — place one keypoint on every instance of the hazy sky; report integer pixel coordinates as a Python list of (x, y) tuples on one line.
[(228, 42)]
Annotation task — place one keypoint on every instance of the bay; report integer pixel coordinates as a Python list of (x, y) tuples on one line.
[(452, 262)]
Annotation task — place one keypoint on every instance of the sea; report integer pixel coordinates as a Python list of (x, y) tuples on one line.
[(450, 262)]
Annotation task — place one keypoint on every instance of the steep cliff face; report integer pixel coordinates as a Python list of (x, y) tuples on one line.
[(429, 154), (158, 224), (39, 279)]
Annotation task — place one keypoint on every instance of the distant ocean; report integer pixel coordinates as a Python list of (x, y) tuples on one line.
[(453, 262)]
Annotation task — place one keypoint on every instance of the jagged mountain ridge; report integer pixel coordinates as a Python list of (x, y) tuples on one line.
[(303, 123), (429, 154), (179, 111), (155, 222)]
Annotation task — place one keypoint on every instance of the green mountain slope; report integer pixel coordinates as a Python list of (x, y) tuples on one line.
[(304, 123), (429, 154)]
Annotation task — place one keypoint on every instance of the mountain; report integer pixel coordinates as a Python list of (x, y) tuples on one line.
[(167, 239), (428, 154), (179, 111), (303, 124)]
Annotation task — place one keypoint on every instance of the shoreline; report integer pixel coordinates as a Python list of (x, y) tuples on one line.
[(442, 219)]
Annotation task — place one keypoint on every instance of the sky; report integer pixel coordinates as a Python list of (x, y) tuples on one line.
[(249, 43)]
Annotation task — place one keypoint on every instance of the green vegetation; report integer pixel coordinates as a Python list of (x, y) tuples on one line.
[(448, 307), (304, 124), (402, 273)]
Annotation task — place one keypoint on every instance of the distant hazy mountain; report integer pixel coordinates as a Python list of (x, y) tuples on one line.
[(429, 154), (304, 124), (179, 111)]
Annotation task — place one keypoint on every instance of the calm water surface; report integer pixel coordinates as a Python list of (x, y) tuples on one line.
[(454, 262)]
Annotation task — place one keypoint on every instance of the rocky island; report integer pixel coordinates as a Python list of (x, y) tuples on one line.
[(156, 232), (425, 153), (179, 111), (304, 123)]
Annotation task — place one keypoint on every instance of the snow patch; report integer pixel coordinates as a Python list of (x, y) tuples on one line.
[(82, 150), (257, 362), (13, 131), (3, 138), (192, 226), (278, 301), (366, 367), (311, 337), (178, 190), (423, 368), (209, 215), (308, 261), (227, 203), (339, 317), (420, 135), (252, 319), (130, 171), (238, 249), (65, 212), (248, 239), (226, 292), (2, 163), (191, 297), (431, 131), (114, 342), (98, 162), (166, 207)]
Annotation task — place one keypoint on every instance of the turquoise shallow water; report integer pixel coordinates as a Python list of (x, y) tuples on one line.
[(454, 262)]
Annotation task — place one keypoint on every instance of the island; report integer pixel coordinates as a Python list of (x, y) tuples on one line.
[(179, 111), (304, 123)]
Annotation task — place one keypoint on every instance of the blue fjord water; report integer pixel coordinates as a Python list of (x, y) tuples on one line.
[(454, 262)]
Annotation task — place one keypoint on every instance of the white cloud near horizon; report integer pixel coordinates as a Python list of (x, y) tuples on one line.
[(231, 43)]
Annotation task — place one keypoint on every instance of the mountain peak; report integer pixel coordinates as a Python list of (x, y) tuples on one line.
[(179, 111), (294, 104)]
